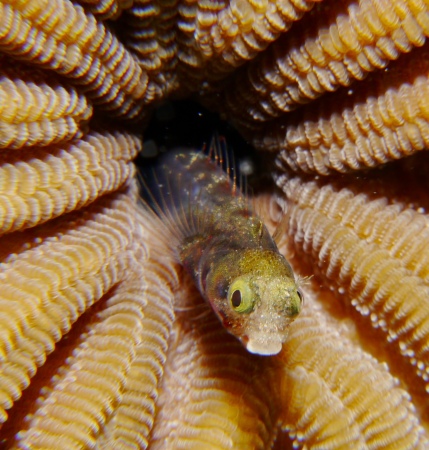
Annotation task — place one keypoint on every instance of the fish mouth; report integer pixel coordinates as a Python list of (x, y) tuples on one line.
[(264, 345)]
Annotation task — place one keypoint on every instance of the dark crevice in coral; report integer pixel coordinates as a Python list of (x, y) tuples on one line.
[(186, 123)]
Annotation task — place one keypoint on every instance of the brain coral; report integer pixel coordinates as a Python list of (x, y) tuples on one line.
[(104, 343)]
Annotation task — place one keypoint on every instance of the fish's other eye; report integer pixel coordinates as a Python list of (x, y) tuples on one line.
[(241, 297), (300, 295)]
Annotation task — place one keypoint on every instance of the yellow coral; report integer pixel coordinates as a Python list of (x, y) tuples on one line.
[(132, 421), (369, 410), (149, 32), (106, 9), (36, 109), (216, 37), (54, 180), (361, 128), (58, 35), (89, 298), (330, 50), (366, 249), (102, 372), (205, 402), (76, 260)]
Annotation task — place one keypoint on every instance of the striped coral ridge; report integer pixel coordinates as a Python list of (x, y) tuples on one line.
[(108, 387), (387, 119), (51, 181), (36, 110), (337, 396), (59, 36), (88, 387), (73, 262), (334, 47), (149, 33), (217, 37), (106, 9), (369, 250), (131, 422)]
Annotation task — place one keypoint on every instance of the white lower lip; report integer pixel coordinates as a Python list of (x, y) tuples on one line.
[(264, 346)]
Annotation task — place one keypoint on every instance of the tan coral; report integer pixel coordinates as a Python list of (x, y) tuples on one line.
[(366, 249), (102, 274), (132, 421), (334, 393), (204, 401), (35, 109), (74, 262), (149, 32), (338, 44), (106, 9), (217, 37), (87, 388), (386, 119), (108, 383), (54, 180), (59, 36), (337, 396)]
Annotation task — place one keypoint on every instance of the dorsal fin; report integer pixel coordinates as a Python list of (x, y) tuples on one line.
[(219, 152)]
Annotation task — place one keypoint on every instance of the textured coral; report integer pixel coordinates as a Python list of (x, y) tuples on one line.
[(111, 363), (58, 179), (337, 395), (106, 9), (205, 403), (149, 32), (385, 119), (351, 400), (74, 261), (104, 343), (333, 48), (35, 109), (59, 36), (378, 238), (217, 37)]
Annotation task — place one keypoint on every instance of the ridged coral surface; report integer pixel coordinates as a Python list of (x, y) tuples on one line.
[(328, 50), (383, 120), (104, 342), (36, 109)]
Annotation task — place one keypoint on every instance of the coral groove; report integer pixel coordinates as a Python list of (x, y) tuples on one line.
[(55, 180), (59, 36), (104, 343), (36, 109), (336, 46), (366, 248)]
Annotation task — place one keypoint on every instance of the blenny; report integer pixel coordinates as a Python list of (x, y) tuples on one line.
[(224, 246)]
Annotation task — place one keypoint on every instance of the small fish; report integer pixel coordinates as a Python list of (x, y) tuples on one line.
[(225, 247)]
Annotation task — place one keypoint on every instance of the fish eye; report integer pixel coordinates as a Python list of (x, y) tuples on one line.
[(241, 296)]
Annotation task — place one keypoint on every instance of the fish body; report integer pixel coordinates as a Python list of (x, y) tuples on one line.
[(226, 249)]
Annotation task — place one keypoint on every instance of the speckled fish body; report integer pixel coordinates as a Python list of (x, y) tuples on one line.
[(226, 249)]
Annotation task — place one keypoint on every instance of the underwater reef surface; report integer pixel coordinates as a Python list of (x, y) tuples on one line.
[(104, 342)]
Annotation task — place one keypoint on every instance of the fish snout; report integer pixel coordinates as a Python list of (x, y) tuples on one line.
[(266, 336)]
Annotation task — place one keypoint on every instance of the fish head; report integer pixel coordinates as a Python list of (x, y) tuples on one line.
[(259, 300)]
